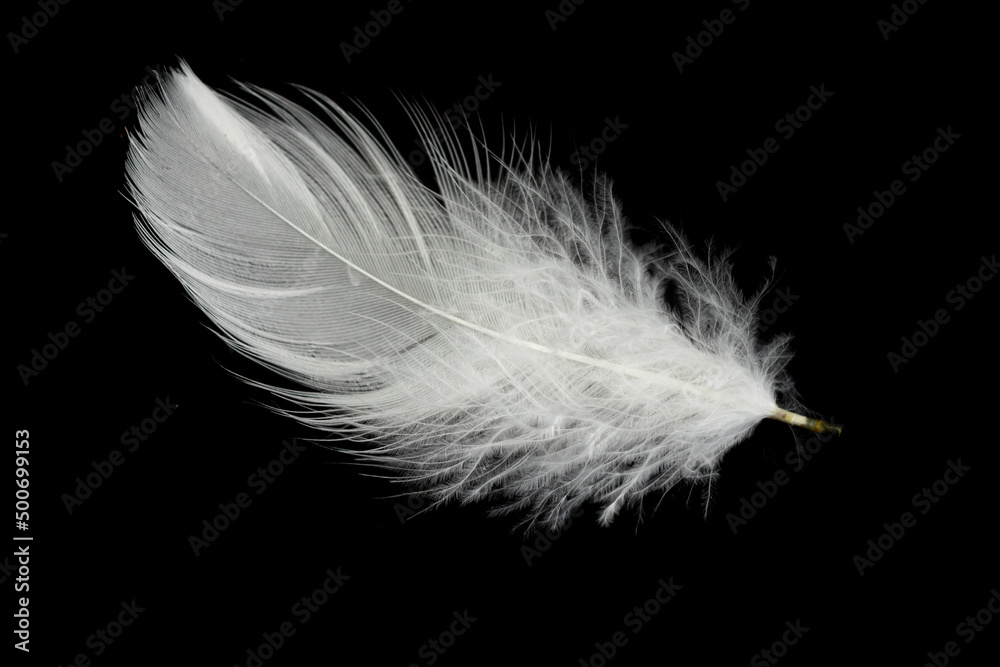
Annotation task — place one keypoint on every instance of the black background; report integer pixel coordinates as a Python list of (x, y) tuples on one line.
[(851, 304)]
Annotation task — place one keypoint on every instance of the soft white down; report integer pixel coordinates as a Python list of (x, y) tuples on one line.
[(499, 337)]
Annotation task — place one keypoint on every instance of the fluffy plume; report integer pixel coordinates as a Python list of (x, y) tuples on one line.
[(497, 338)]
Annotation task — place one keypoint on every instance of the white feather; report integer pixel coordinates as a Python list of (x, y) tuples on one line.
[(500, 338)]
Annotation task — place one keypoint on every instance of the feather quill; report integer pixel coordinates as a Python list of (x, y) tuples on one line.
[(500, 338)]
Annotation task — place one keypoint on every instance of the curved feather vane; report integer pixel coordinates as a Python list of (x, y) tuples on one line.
[(500, 338)]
